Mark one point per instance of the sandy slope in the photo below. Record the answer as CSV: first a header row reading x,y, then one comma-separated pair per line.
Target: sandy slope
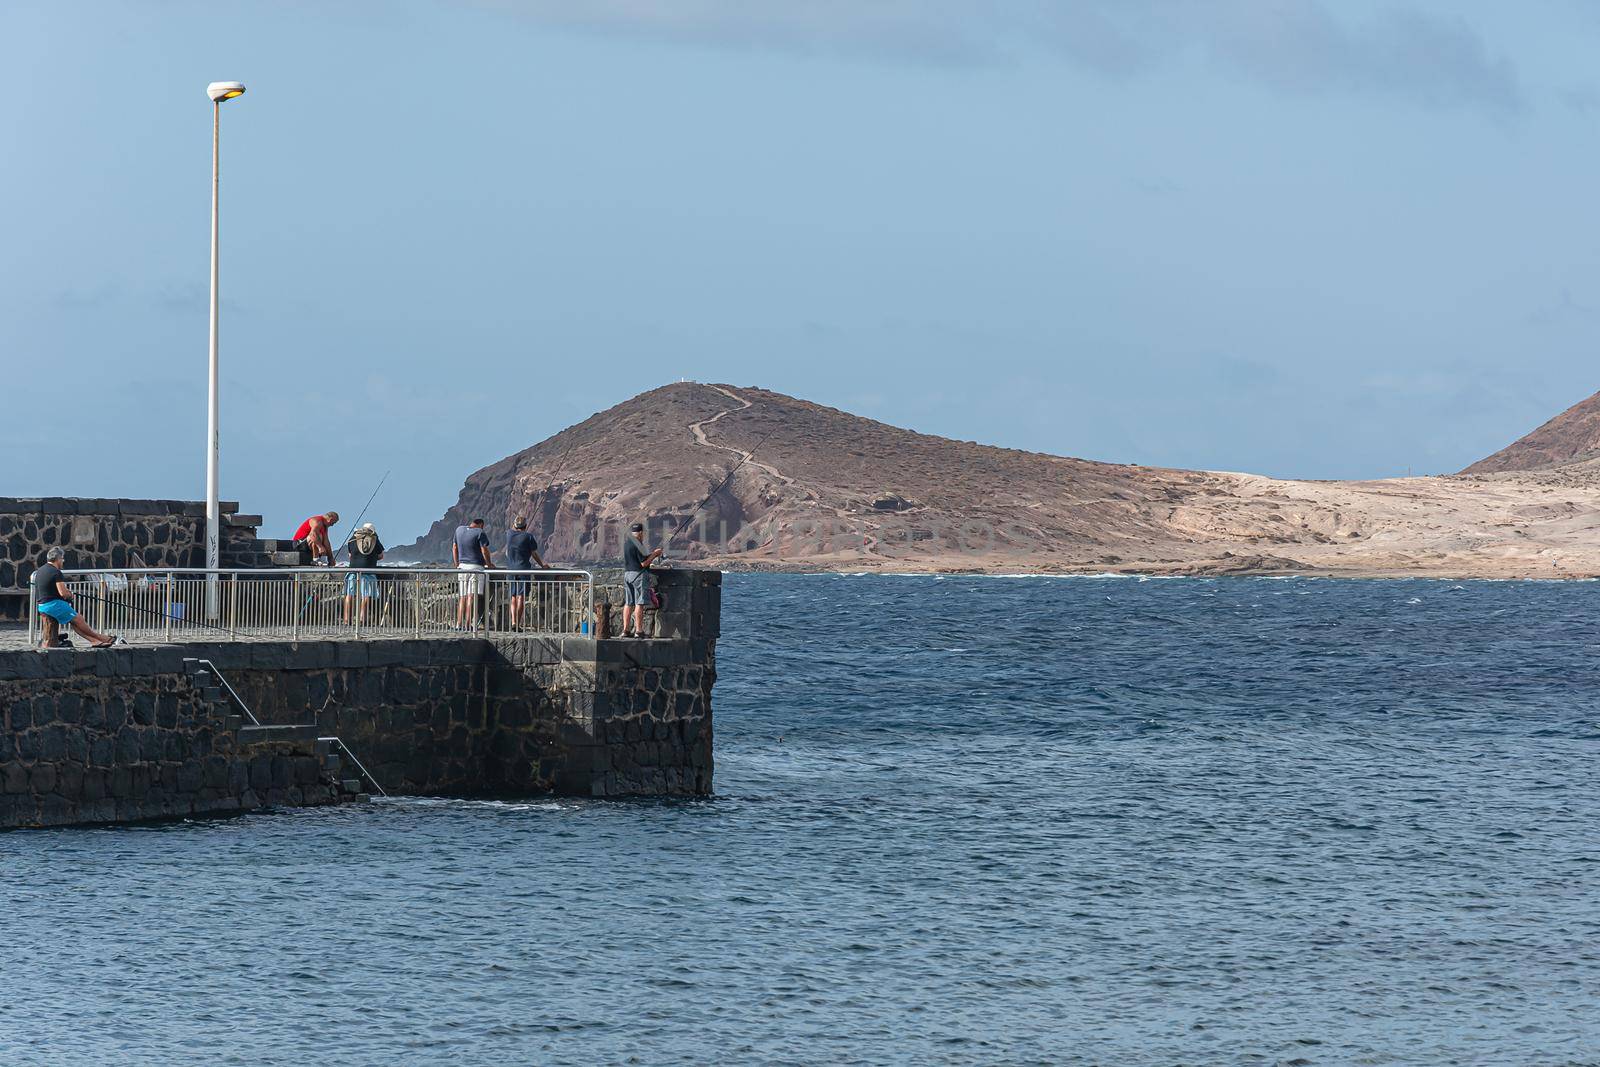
x,y
1433,527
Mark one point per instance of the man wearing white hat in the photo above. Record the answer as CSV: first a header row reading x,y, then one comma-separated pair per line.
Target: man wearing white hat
x,y
365,552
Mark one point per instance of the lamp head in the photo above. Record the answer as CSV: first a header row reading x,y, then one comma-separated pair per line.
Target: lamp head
x,y
220,91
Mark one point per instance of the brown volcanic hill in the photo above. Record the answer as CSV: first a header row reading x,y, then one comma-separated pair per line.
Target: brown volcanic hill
x,y
821,489
1572,435
863,486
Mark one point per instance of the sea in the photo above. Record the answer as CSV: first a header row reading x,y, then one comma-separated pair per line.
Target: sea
x,y
957,820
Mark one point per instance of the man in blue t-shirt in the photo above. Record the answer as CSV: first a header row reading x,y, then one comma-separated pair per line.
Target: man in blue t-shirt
x,y
521,552
471,553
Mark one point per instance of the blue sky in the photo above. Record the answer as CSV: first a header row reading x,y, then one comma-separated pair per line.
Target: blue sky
x,y
1297,237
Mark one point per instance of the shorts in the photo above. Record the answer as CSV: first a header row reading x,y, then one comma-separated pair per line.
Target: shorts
x,y
635,589
469,584
368,583
519,587
59,610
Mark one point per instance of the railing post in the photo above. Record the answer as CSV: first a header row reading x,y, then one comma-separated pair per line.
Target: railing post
x,y
168,612
358,603
294,606
416,601
33,615
233,608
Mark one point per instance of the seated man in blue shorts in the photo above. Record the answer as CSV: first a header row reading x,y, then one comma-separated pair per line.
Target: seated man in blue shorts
x,y
55,604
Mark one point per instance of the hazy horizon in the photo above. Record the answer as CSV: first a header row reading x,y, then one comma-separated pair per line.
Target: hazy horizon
x,y
1280,236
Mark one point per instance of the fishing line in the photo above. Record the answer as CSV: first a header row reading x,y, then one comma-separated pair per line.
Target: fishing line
x,y
152,611
749,454
363,514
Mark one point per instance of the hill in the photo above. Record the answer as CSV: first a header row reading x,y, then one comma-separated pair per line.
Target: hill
x,y
792,484
1573,435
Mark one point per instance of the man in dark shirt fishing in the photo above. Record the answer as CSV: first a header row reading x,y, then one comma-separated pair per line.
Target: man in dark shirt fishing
x,y
521,552
635,583
471,553
55,604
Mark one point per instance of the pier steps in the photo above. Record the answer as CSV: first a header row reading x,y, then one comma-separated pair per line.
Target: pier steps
x,y
304,743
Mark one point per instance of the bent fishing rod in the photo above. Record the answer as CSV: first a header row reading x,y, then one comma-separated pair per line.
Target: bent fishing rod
x,y
357,524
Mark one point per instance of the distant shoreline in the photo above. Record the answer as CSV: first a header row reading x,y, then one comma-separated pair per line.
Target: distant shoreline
x,y
1224,569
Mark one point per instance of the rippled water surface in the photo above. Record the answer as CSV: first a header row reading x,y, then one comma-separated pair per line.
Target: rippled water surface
x,y
957,821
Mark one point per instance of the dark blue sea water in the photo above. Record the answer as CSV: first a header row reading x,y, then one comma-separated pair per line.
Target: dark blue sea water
x,y
966,820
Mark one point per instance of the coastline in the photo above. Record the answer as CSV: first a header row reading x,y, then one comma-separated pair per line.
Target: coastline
x,y
1217,568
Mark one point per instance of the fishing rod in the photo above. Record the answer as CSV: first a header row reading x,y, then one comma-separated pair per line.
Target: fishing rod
x,y
151,611
720,487
561,462
364,507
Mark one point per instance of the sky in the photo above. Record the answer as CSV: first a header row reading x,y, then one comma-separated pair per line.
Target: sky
x,y
1303,238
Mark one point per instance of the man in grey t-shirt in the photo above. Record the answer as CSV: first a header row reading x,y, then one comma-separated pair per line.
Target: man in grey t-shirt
x,y
635,583
471,553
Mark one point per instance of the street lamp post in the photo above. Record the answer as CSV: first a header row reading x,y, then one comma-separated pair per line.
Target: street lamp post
x,y
218,92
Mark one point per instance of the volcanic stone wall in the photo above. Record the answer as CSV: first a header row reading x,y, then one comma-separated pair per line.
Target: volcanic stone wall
x,y
123,736
568,715
111,534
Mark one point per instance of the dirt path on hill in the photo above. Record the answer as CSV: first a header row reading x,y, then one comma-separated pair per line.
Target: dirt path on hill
x,y
699,431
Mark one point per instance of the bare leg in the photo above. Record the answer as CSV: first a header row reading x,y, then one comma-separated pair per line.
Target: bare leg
x,y
349,602
461,612
516,611
88,633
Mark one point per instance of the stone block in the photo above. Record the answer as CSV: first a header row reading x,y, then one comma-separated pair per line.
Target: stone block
x,y
14,778
386,653
580,649
167,710
353,654
56,811
26,666
191,776
272,656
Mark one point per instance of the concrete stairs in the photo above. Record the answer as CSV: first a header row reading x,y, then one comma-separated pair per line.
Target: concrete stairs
x,y
242,547
348,780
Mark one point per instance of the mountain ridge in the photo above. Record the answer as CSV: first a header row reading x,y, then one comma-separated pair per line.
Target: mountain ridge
x,y
791,484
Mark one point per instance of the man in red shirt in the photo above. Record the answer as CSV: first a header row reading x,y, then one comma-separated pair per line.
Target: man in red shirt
x,y
312,536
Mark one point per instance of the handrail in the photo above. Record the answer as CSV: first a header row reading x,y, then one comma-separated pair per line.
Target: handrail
x,y
237,699
340,569
359,766
341,603
257,722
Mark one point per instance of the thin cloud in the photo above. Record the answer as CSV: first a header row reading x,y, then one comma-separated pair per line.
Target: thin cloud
x,y
1293,47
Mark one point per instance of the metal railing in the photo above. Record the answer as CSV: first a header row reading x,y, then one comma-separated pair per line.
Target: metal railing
x,y
326,603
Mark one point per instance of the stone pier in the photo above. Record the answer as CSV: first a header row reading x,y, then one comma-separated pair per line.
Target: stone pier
x,y
147,732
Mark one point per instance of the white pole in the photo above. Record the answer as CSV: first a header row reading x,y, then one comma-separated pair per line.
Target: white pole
x,y
213,446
